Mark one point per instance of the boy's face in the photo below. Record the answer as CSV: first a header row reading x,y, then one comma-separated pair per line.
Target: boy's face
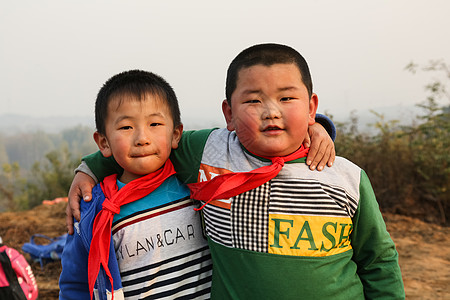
x,y
270,109
139,134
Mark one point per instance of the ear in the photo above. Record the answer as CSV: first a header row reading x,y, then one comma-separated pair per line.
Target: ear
x,y
177,132
313,104
102,143
227,113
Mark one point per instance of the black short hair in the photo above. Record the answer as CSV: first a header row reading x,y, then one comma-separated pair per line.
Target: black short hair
x,y
135,83
266,55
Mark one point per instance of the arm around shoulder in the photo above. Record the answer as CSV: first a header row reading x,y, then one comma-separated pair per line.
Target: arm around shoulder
x,y
101,166
327,124
187,157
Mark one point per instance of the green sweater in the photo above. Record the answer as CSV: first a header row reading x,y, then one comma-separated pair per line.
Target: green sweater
x,y
304,234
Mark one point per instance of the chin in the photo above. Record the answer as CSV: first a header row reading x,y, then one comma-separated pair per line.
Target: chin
x,y
270,152
280,152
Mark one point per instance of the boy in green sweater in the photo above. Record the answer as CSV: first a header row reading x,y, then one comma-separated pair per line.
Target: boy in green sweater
x,y
276,229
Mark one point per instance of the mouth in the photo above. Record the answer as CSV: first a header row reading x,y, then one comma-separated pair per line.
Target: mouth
x,y
140,155
271,128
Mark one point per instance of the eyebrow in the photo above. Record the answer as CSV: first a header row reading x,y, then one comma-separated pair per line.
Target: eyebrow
x,y
287,88
130,117
251,92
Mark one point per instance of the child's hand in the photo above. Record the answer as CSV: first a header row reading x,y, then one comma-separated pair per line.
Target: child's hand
x,y
321,146
81,187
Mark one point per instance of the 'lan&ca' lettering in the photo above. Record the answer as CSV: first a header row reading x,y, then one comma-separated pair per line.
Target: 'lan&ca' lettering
x,y
168,237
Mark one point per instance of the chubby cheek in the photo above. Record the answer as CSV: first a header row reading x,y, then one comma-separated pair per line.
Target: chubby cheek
x,y
299,125
248,134
247,121
245,135
121,146
164,144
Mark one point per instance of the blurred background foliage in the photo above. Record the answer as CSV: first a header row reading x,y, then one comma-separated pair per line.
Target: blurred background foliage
x,y
39,166
408,165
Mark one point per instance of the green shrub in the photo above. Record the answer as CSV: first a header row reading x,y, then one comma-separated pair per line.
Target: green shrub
x,y
409,166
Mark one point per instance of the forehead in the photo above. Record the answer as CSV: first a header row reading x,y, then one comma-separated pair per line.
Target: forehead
x,y
148,100
131,106
278,72
259,78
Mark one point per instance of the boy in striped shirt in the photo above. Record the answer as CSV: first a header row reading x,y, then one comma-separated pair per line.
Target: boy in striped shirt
x,y
139,237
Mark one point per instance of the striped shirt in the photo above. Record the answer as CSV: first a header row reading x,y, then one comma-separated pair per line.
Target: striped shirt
x,y
161,250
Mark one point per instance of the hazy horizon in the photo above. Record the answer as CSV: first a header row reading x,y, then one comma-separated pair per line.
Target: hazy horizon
x,y
55,55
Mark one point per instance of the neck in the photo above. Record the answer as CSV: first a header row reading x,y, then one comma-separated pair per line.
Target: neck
x,y
271,158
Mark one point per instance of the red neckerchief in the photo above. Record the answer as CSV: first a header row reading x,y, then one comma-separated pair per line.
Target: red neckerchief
x,y
228,185
114,199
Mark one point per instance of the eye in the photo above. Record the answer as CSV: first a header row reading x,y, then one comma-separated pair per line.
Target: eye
x,y
125,128
155,124
286,98
252,101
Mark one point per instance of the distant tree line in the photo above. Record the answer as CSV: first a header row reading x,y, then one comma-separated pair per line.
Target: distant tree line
x,y
39,166
408,165
27,148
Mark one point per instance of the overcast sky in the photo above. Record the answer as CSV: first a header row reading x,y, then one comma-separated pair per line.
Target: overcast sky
x,y
55,55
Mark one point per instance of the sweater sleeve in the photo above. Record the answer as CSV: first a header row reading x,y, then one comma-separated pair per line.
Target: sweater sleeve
x,y
374,250
73,282
188,156
101,166
327,124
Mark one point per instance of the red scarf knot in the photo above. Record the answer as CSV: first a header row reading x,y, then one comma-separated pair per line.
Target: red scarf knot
x,y
278,160
228,185
111,207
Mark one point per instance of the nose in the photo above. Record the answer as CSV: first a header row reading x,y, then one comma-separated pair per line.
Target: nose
x,y
271,111
142,138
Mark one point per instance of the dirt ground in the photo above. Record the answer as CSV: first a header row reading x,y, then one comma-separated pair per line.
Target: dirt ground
x,y
424,249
